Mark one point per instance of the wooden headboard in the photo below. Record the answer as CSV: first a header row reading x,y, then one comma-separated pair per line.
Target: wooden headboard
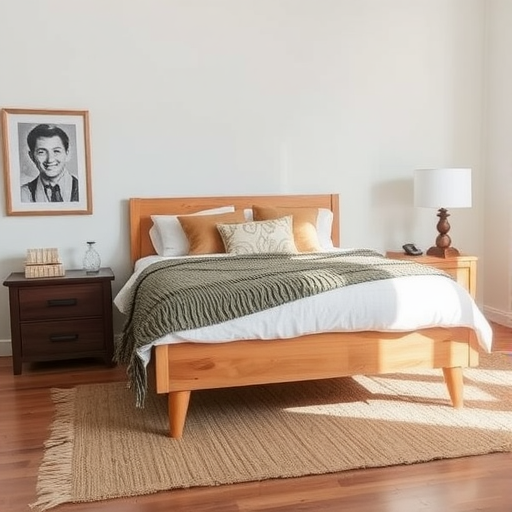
x,y
141,210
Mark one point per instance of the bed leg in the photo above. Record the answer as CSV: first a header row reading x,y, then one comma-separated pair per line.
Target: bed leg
x,y
455,384
178,406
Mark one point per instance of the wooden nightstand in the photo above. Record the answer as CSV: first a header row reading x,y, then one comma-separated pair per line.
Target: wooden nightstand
x,y
461,268
65,317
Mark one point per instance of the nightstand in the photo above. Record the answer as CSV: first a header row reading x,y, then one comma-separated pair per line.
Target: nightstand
x,y
65,317
461,268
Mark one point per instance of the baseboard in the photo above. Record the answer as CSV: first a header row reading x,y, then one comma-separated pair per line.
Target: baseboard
x,y
5,348
498,316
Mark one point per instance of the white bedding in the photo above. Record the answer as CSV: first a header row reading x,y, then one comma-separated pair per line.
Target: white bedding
x,y
388,305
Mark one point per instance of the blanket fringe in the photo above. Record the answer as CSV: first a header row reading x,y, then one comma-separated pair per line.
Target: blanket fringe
x,y
54,481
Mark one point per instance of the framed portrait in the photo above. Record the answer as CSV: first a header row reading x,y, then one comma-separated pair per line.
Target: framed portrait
x,y
46,158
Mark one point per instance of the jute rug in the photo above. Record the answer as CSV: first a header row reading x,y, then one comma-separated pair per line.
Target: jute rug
x,y
102,447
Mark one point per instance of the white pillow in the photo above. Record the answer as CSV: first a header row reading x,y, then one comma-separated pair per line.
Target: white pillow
x,y
167,235
248,214
324,227
263,236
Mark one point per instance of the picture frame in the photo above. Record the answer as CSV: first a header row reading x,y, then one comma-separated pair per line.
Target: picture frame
x,y
41,149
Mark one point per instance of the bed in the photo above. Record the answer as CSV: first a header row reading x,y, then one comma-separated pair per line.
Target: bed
x,y
181,368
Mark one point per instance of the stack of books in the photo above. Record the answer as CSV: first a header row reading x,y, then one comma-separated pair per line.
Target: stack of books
x,y
43,263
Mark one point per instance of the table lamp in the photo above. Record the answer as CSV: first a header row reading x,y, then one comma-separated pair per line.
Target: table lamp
x,y
442,189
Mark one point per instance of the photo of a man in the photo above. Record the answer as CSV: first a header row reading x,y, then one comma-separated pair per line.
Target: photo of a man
x,y
48,149
47,161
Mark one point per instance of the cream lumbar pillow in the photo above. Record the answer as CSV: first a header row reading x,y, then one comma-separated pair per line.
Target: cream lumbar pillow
x,y
266,236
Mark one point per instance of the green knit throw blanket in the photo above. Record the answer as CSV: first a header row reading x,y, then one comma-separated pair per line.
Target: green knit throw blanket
x,y
188,293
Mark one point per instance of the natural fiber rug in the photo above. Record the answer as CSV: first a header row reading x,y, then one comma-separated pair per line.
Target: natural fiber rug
x,y
102,447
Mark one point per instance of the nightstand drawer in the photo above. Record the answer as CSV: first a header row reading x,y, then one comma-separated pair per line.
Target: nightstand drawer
x,y
79,300
70,336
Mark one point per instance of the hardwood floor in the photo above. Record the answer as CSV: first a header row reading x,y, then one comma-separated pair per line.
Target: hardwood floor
x,y
480,483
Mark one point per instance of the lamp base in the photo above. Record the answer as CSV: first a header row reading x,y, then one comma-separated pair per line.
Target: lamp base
x,y
443,252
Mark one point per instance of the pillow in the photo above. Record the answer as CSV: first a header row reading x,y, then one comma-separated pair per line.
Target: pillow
x,y
202,234
324,228
259,236
167,235
304,224
248,214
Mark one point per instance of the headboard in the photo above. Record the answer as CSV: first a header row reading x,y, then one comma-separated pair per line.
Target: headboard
x,y
141,210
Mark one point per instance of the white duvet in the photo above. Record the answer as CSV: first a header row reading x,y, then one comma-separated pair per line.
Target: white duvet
x,y
388,305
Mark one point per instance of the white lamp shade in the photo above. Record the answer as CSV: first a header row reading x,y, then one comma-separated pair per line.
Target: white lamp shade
x,y
442,188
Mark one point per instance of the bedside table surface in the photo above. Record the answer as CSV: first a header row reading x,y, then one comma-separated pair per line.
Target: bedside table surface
x,y
19,279
432,260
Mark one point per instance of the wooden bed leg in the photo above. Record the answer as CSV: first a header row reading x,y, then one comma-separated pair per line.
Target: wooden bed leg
x,y
455,384
178,406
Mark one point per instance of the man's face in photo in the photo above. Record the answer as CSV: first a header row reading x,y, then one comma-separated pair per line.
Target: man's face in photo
x,y
50,156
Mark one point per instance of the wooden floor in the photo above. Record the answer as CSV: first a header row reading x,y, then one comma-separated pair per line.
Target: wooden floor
x,y
481,483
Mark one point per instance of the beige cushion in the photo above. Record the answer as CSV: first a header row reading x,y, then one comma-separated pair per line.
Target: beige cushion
x,y
267,236
304,224
202,234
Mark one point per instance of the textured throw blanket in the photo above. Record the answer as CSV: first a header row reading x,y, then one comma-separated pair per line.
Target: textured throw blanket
x,y
180,294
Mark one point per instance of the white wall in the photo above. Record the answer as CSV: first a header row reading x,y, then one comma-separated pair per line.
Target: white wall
x,y
212,97
498,165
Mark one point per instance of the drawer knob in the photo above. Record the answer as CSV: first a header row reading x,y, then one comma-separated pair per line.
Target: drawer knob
x,y
62,302
63,337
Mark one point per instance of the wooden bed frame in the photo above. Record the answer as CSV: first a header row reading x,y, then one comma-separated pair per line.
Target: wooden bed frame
x,y
182,368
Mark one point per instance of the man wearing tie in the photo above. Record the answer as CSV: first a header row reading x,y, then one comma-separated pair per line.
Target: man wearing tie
x,y
49,150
